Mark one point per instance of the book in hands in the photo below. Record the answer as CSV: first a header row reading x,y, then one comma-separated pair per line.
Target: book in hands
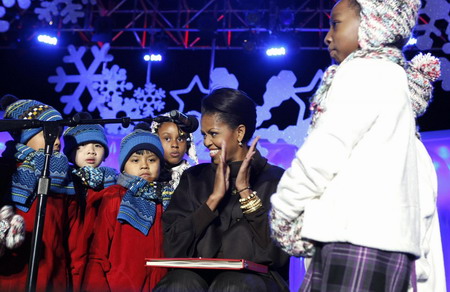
x,y
206,263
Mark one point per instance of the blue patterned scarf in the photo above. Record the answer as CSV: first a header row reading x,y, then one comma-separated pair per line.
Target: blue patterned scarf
x,y
96,178
138,206
25,178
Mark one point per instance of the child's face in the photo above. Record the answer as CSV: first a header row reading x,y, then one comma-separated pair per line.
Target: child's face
x,y
145,165
38,142
174,144
89,154
342,39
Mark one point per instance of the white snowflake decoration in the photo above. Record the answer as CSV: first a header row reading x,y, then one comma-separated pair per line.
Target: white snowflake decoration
x,y
150,99
113,80
128,106
70,11
86,77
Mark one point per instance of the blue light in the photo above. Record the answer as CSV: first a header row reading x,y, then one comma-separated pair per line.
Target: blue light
x,y
46,39
153,58
280,51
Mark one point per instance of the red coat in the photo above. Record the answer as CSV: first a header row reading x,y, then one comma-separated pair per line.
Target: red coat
x,y
118,251
53,267
81,234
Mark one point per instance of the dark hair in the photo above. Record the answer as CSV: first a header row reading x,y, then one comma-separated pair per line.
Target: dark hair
x,y
233,107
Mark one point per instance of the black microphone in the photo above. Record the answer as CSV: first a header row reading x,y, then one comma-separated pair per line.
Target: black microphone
x,y
188,123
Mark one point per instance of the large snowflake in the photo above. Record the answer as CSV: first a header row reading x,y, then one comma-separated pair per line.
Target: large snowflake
x,y
86,77
436,10
67,9
150,99
113,83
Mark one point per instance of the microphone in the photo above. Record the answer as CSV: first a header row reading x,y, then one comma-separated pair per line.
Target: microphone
x,y
188,123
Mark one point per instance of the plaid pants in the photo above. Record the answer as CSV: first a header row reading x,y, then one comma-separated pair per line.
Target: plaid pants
x,y
345,267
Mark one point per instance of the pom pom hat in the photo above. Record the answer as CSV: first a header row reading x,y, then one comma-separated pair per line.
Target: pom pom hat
x,y
140,139
27,109
385,22
82,134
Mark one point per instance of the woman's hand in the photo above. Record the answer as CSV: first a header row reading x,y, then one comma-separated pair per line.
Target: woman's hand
x,y
221,181
243,177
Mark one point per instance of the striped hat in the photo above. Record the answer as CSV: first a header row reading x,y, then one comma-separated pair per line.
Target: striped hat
x,y
386,22
82,134
140,139
27,109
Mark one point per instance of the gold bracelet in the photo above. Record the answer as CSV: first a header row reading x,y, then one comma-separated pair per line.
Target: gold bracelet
x,y
251,203
257,207
251,196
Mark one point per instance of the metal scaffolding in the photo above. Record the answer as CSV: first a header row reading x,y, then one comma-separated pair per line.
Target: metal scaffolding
x,y
186,24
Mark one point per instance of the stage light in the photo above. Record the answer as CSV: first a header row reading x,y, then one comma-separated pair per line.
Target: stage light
x,y
153,57
276,51
46,39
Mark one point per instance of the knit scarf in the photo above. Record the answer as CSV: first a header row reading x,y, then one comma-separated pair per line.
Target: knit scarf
x,y
138,206
96,178
318,104
25,178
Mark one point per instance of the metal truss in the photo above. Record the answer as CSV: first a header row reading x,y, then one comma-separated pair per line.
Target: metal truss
x,y
191,24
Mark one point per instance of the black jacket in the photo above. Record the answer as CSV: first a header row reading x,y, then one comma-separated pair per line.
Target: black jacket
x,y
191,229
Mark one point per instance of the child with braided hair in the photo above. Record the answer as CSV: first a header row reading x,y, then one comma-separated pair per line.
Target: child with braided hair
x,y
361,156
27,151
86,146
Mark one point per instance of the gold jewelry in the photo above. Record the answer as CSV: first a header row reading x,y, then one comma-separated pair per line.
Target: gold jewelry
x,y
251,196
253,209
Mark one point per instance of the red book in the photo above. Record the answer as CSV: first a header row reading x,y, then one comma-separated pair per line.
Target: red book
x,y
205,263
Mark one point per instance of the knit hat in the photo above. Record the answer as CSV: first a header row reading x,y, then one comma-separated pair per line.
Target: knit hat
x,y
82,134
385,22
140,139
27,109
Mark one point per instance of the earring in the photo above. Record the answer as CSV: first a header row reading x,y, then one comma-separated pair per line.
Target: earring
x,y
240,143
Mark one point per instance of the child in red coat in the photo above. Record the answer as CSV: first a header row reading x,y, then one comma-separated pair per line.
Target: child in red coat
x,y
27,151
86,146
128,227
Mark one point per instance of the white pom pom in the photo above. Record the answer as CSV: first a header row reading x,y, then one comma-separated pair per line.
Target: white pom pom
x,y
16,233
428,65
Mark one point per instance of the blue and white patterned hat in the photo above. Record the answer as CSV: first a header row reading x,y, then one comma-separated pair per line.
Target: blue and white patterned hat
x,y
28,109
82,134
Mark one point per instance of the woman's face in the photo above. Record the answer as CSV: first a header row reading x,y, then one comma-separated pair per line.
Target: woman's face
x,y
173,142
214,131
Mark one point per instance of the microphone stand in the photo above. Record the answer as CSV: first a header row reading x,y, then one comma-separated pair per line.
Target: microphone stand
x,y
51,132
